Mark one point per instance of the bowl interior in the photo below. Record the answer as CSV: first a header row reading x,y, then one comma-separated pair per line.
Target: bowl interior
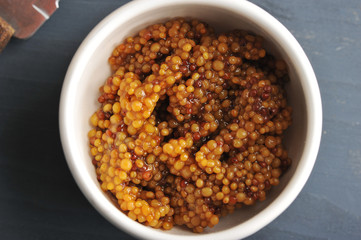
x,y
90,69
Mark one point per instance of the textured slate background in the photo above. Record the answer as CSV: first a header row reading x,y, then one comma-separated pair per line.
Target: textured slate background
x,y
40,200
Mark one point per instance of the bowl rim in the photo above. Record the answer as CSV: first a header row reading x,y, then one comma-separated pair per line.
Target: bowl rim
x,y
313,106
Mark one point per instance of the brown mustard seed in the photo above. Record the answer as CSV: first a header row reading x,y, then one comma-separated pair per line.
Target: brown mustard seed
x,y
190,124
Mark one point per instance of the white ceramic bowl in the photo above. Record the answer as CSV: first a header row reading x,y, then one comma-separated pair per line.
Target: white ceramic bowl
x,y
89,69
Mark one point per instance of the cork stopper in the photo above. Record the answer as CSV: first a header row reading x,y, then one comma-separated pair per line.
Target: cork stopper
x,y
6,31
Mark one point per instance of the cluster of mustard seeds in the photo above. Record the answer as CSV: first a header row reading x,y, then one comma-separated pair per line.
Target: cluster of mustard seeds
x,y
190,124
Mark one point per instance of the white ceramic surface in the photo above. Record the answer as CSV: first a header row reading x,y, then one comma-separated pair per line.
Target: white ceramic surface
x,y
89,69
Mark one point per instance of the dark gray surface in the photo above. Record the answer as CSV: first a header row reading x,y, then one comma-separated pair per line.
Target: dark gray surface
x,y
40,200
